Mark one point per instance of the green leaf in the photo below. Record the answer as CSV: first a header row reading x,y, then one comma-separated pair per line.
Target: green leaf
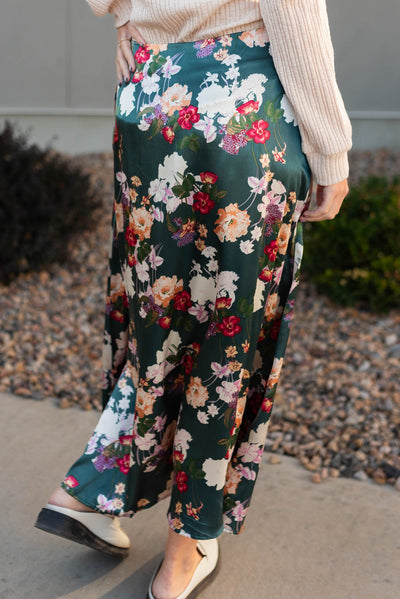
x,y
144,250
146,110
155,127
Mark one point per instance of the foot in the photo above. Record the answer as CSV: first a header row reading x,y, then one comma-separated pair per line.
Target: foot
x,y
180,561
61,498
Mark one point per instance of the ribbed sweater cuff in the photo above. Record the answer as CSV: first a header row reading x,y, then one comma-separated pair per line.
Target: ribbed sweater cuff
x,y
328,170
121,9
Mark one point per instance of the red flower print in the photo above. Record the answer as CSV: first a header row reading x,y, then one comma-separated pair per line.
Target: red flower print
x,y
115,134
181,478
137,76
125,300
247,107
71,482
266,405
229,326
208,177
131,260
142,54
223,302
188,363
164,322
168,134
259,132
196,346
265,275
182,301
117,315
202,202
275,329
271,250
125,439
130,236
187,116
123,463
178,456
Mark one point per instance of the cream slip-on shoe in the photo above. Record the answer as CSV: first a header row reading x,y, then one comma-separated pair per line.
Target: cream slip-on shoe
x,y
206,570
93,529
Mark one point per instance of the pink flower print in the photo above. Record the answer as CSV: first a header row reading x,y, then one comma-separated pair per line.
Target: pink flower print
x,y
71,482
239,512
123,463
187,116
259,132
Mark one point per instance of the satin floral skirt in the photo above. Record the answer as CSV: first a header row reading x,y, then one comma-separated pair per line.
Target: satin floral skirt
x,y
210,181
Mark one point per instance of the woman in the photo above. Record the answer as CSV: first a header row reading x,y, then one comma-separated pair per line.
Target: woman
x,y
225,113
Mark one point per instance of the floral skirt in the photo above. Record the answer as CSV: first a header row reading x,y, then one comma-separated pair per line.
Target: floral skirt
x,y
210,181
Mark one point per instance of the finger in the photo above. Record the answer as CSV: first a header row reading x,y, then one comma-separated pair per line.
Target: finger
x,y
328,205
120,77
136,35
123,65
126,50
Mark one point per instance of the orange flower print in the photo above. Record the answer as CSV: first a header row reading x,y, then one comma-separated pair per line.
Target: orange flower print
x,y
144,402
275,373
175,98
165,289
283,238
272,309
232,480
196,393
232,223
117,287
231,351
119,217
141,220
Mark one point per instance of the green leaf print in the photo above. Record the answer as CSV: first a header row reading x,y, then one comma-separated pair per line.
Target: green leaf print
x,y
146,110
245,307
144,425
191,142
155,127
155,64
194,471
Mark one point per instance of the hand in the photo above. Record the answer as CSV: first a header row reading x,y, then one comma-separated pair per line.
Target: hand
x,y
125,61
329,200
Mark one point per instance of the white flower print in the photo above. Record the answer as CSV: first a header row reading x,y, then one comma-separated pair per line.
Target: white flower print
x,y
169,347
219,370
173,163
215,472
104,504
246,247
228,391
156,373
127,99
182,440
202,417
128,280
207,126
199,312
143,125
257,185
154,259
150,84
259,295
232,73
145,443
202,289
250,452
212,410
226,283
119,488
288,113
256,233
169,68
142,271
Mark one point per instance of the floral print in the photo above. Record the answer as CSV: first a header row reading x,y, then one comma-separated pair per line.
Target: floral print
x,y
210,181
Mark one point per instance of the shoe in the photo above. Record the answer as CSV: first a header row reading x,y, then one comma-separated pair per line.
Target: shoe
x,y
205,572
95,530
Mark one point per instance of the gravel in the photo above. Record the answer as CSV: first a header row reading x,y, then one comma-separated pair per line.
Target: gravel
x,y
338,404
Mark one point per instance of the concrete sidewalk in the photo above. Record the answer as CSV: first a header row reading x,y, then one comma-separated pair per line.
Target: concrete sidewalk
x,y
336,540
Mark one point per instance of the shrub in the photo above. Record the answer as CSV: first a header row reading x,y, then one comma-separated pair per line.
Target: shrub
x,y
44,201
355,258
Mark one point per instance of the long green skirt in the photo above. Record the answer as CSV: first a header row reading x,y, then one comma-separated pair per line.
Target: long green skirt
x,y
210,181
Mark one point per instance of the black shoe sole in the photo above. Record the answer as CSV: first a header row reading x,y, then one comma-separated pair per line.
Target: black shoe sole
x,y
69,528
204,583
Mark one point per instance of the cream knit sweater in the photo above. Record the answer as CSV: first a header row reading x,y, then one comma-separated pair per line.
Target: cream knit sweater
x,y
301,48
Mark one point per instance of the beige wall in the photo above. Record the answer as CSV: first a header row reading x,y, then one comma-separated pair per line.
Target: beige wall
x,y
57,70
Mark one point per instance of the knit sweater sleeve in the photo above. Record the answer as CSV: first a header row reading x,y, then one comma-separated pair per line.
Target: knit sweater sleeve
x,y
121,9
301,47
